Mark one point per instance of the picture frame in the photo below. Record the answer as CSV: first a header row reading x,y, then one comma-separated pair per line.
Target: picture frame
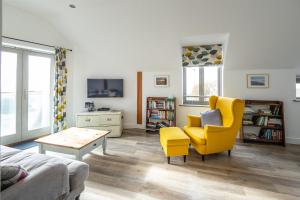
x,y
161,81
257,80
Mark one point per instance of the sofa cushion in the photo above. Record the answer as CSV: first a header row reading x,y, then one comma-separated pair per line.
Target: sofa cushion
x,y
78,171
196,134
211,117
11,174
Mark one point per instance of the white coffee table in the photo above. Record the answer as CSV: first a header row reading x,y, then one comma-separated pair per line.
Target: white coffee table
x,y
76,141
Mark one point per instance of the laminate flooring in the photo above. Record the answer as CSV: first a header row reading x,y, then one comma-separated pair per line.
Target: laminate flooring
x,y
135,168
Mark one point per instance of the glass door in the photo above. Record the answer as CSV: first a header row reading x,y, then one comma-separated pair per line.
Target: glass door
x,y
11,76
26,94
37,90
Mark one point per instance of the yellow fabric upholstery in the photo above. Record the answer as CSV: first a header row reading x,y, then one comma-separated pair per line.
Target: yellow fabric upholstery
x,y
174,141
214,139
196,134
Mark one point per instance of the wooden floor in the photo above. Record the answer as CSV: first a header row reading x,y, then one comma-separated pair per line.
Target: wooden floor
x,y
135,168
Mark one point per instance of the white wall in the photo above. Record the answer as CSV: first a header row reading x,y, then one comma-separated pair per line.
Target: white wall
x,y
282,84
118,38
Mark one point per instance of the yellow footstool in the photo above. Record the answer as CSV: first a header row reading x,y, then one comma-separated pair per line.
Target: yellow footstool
x,y
174,142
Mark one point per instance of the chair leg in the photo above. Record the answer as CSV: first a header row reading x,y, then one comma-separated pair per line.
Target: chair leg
x,y
184,158
168,159
229,153
203,158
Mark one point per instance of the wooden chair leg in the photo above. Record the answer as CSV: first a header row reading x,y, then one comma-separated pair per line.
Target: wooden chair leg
x,y
229,153
168,159
184,158
203,158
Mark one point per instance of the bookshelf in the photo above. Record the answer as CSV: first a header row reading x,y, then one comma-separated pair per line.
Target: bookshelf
x,y
263,122
160,112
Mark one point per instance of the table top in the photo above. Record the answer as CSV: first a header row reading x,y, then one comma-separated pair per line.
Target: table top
x,y
75,138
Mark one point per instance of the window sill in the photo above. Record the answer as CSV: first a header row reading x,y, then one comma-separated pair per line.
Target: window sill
x,y
191,105
296,100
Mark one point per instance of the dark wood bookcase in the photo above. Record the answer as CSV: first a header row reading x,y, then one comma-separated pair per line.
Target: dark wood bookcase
x,y
160,112
263,122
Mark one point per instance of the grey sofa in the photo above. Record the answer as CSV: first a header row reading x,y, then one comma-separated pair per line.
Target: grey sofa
x,y
50,178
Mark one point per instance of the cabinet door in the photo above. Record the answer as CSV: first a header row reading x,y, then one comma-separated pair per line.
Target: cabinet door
x,y
88,120
110,119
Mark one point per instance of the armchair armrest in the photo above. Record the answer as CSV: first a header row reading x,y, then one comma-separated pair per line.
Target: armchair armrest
x,y
50,181
194,121
215,134
213,128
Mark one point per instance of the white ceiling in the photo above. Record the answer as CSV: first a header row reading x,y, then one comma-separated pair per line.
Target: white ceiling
x,y
263,33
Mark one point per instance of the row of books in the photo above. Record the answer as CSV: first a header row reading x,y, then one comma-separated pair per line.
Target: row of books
x,y
267,121
157,104
156,114
170,104
157,125
274,135
161,104
276,110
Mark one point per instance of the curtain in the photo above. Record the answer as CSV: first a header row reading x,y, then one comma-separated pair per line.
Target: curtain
x,y
202,55
60,86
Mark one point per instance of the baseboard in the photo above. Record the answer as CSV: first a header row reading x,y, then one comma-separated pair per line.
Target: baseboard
x,y
292,140
128,126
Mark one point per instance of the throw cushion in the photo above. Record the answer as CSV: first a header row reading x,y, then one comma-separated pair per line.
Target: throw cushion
x,y
211,117
11,174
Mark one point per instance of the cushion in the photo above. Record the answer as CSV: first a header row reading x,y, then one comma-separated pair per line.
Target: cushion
x,y
211,117
196,134
11,174
173,136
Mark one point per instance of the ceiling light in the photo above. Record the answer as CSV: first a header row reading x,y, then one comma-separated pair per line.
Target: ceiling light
x,y
72,6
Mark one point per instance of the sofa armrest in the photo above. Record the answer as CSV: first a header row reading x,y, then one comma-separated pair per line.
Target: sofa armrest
x,y
194,121
50,181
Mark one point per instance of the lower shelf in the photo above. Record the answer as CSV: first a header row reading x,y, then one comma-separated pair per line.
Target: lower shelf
x,y
261,140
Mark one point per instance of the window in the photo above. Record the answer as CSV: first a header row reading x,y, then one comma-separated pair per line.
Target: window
x,y
199,83
298,87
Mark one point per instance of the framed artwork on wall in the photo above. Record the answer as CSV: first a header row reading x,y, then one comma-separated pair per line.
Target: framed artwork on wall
x,y
161,81
257,80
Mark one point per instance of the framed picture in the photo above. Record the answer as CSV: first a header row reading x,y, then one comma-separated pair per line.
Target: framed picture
x,y
161,81
257,80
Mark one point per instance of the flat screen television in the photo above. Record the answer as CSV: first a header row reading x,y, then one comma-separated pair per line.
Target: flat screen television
x,y
100,88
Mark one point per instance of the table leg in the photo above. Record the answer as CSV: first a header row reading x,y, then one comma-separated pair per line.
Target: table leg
x,y
41,149
104,143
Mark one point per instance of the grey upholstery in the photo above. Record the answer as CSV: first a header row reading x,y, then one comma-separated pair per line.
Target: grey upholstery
x,y
49,177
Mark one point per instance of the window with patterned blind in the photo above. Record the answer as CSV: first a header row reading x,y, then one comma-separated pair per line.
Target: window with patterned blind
x,y
202,73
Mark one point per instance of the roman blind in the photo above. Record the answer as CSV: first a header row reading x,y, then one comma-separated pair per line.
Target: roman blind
x,y
202,55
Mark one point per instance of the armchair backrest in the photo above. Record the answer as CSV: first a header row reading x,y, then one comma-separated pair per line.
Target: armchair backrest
x,y
231,110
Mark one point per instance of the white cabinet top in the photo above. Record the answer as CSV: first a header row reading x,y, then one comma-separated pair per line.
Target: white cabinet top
x,y
111,112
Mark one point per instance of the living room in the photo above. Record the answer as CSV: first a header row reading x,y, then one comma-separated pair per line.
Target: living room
x,y
158,50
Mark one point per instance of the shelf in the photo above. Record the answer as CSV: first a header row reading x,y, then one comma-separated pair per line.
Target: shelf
x,y
267,127
262,140
261,114
159,109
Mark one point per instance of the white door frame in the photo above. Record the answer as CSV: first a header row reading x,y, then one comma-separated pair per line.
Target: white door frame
x,y
22,132
26,134
18,135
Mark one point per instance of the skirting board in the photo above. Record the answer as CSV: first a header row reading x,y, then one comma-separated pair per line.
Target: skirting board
x,y
289,140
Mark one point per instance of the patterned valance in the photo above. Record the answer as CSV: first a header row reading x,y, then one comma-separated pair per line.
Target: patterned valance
x,y
202,55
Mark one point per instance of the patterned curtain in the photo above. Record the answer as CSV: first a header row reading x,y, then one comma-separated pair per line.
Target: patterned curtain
x,y
201,56
60,87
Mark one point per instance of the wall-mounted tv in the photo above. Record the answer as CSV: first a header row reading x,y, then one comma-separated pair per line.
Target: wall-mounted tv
x,y
100,88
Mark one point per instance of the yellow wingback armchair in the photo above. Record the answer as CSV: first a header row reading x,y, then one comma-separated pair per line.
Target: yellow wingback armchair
x,y
214,139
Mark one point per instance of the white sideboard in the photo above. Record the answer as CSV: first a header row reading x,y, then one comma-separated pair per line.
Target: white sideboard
x,y
102,120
